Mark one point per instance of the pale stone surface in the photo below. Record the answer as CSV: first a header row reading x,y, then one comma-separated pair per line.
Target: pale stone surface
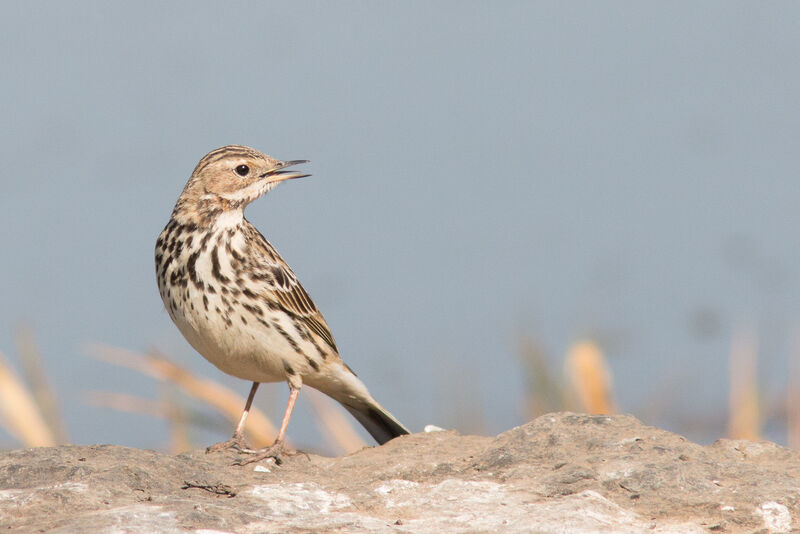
x,y
559,473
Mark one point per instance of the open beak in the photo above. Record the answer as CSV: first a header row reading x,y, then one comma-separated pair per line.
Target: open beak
x,y
277,174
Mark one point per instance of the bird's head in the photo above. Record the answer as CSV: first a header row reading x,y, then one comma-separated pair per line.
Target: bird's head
x,y
229,178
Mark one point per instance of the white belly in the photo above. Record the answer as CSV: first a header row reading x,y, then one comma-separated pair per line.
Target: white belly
x,y
248,353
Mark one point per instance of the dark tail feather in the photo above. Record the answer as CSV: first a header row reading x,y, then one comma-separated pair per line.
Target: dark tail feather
x,y
340,383
380,424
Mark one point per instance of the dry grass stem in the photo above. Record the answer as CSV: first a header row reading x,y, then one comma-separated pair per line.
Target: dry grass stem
x,y
18,410
543,393
178,422
43,393
123,402
744,421
589,377
793,394
259,427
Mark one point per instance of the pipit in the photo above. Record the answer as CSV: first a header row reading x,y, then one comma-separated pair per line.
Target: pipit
x,y
240,305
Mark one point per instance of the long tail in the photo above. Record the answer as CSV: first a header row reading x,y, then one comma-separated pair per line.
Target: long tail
x,y
380,424
351,393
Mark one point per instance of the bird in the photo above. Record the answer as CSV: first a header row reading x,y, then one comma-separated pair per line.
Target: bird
x,y
240,305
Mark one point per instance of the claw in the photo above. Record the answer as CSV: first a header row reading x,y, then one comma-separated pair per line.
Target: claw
x,y
276,452
236,442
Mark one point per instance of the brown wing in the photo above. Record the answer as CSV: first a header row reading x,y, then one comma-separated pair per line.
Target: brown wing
x,y
294,300
285,289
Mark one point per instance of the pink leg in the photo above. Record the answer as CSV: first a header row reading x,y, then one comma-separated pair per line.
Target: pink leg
x,y
293,393
237,441
277,448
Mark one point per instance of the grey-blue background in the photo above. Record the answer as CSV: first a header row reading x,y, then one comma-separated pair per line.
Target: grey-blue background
x,y
481,171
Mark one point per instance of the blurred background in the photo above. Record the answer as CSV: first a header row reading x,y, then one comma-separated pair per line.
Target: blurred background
x,y
515,207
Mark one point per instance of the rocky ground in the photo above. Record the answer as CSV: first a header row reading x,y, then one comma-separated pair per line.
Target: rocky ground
x,y
559,473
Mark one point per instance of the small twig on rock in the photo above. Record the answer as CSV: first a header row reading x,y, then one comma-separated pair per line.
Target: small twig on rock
x,y
219,488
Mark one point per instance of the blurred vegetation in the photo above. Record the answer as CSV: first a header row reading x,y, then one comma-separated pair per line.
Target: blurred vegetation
x,y
29,407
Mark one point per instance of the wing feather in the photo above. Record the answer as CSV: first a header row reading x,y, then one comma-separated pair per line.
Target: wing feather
x,y
285,290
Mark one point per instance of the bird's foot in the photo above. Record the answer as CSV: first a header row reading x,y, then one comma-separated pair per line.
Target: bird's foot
x,y
276,452
236,442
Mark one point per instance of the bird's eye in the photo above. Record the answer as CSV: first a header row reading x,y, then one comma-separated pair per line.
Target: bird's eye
x,y
242,170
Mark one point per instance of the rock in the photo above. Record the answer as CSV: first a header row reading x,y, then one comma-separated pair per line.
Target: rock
x,y
559,473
